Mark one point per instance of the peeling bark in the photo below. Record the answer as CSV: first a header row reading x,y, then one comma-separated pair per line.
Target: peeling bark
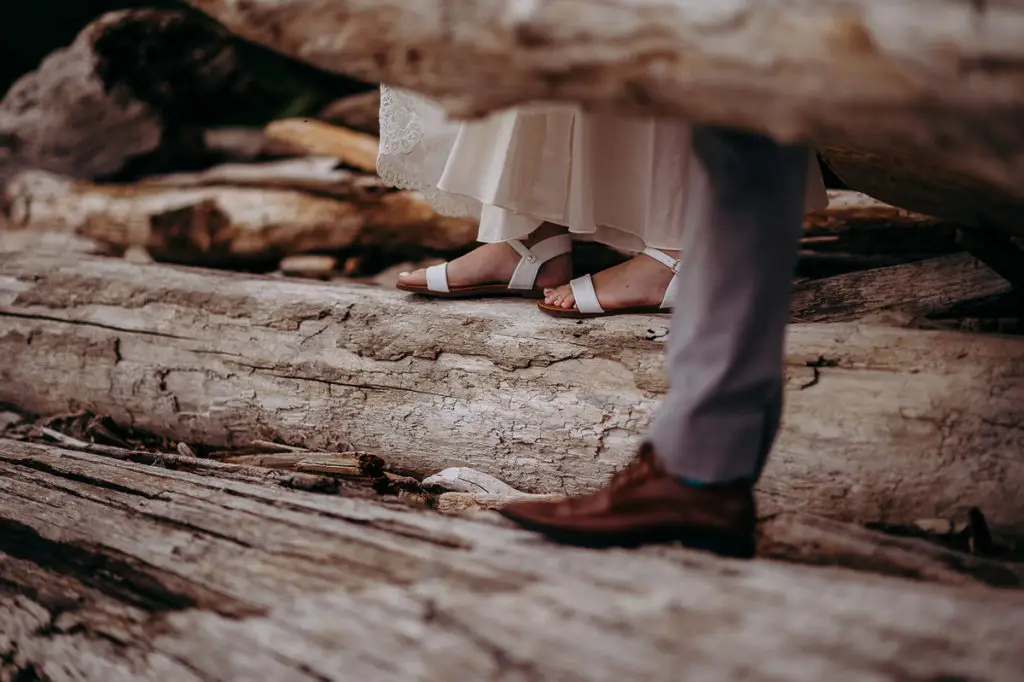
x,y
119,571
882,424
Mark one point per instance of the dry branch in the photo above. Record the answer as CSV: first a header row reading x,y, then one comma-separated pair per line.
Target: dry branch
x,y
224,578
882,424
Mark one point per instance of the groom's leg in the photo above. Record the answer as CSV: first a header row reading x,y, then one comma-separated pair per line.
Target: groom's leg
x,y
725,349
692,482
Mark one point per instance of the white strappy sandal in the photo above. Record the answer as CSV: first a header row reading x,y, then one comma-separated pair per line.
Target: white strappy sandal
x,y
523,279
588,306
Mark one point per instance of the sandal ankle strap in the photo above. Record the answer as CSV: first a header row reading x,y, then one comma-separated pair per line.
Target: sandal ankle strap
x,y
532,258
672,264
663,258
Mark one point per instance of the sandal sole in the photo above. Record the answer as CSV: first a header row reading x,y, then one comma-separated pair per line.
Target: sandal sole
x,y
490,291
574,314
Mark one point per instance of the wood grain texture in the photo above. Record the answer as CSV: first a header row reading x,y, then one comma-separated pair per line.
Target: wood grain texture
x,y
119,571
917,288
882,424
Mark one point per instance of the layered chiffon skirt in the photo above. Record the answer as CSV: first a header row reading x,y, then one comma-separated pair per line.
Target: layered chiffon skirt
x,y
627,182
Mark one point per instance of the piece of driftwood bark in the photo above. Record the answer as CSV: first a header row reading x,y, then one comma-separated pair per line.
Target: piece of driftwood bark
x,y
882,424
465,480
220,223
318,138
914,288
936,81
132,87
119,571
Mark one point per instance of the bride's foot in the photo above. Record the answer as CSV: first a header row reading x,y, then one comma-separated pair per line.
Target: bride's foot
x,y
639,282
495,263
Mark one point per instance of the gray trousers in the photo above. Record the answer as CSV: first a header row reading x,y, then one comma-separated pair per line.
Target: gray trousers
x,y
726,346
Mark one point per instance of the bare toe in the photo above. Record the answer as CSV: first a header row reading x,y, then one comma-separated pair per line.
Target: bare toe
x,y
414,278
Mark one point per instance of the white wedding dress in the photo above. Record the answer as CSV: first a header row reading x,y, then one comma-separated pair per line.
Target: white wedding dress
x,y
627,182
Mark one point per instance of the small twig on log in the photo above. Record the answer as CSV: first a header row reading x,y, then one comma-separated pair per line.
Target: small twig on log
x,y
277,447
346,464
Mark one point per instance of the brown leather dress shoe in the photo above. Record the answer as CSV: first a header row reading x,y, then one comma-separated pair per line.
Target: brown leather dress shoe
x,y
644,504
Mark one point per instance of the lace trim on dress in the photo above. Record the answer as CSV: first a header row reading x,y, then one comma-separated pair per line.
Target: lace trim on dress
x,y
416,139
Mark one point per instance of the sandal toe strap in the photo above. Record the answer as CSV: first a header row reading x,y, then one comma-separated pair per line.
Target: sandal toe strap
x,y
586,297
437,278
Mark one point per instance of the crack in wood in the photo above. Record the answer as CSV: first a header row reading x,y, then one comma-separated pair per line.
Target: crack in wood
x,y
97,325
118,577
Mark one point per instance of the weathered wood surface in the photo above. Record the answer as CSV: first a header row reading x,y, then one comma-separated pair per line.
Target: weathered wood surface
x,y
912,288
920,185
234,213
858,223
941,81
119,571
882,423
134,84
317,138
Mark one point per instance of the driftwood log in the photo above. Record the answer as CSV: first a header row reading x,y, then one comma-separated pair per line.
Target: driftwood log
x,y
937,81
882,424
914,288
857,223
120,571
235,213
136,88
